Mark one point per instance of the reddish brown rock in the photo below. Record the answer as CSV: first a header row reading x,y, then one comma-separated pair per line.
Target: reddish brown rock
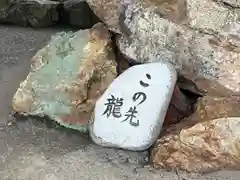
x,y
207,140
179,107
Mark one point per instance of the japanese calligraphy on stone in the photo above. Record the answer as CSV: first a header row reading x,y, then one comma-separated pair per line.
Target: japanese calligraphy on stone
x,y
114,104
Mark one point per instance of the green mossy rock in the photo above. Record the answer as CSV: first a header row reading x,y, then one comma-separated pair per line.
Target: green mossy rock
x,y
67,77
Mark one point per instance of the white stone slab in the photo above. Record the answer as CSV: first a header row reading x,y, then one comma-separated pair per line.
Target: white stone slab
x,y
156,81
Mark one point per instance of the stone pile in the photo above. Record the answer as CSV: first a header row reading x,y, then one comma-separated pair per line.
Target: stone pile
x,y
188,60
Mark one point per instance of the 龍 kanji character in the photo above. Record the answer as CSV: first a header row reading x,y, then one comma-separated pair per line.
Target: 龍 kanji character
x,y
113,107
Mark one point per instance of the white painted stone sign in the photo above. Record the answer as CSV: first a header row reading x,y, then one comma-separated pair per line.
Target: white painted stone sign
x,y
131,111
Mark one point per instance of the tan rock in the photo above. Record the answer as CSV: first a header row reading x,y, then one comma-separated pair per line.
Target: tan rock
x,y
201,38
206,141
189,50
68,76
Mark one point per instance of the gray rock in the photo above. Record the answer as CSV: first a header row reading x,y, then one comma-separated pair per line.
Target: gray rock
x,y
34,13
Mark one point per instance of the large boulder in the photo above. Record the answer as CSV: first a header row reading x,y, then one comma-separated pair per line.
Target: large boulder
x,y
34,13
67,77
198,37
208,140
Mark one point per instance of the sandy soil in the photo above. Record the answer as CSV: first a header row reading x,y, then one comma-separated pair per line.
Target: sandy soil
x,y
32,149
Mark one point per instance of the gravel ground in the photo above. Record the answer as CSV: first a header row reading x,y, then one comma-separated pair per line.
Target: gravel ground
x,y
33,149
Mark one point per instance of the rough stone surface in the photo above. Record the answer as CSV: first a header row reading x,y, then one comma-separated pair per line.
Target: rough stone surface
x,y
67,77
208,15
78,13
120,116
34,13
201,37
205,141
